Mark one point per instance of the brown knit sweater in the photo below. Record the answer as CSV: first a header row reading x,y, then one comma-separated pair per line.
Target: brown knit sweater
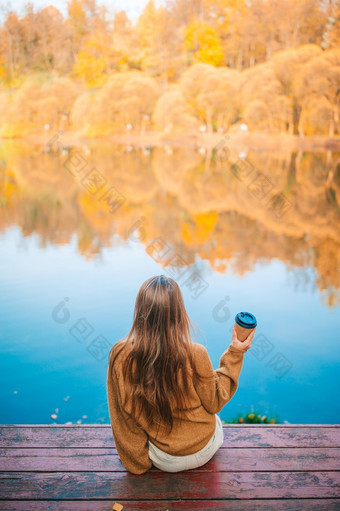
x,y
192,430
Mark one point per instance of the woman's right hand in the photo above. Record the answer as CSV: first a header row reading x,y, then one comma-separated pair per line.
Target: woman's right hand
x,y
242,345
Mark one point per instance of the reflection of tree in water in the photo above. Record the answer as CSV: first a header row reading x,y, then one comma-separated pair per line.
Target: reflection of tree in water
x,y
195,204
302,279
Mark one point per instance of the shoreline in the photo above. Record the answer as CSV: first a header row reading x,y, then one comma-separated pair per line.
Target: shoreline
x,y
196,140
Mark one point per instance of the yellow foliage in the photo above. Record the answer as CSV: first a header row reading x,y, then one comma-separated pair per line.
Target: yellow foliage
x,y
206,221
8,186
94,210
2,70
204,42
200,227
91,64
86,244
76,13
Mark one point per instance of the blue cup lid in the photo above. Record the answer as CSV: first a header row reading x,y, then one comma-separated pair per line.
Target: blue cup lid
x,y
246,319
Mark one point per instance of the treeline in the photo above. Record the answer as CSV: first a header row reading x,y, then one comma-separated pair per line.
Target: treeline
x,y
191,66
91,43
296,92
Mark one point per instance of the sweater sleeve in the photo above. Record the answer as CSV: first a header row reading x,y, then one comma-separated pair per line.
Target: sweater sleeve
x,y
130,439
218,386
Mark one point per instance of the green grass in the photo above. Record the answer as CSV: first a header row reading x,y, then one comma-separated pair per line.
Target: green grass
x,y
254,417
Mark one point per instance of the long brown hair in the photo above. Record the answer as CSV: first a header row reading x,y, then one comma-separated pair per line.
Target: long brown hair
x,y
161,349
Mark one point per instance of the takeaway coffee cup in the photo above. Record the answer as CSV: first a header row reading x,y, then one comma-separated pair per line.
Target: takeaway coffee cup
x,y
245,322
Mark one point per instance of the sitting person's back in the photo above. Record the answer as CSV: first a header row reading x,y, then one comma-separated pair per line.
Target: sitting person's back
x,y
163,393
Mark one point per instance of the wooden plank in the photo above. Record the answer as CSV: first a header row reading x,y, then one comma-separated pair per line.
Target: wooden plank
x,y
175,505
162,485
224,425
240,436
235,459
281,437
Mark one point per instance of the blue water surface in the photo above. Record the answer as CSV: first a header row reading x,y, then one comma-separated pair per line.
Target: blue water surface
x,y
51,363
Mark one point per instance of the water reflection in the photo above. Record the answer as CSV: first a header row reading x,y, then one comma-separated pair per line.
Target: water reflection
x,y
231,211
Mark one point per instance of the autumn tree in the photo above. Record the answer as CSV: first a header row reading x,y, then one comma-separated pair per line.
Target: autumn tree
x,y
86,18
191,83
39,41
231,20
125,102
172,113
292,59
140,96
98,112
38,105
218,100
252,32
47,40
317,86
158,46
184,12
264,106
12,43
203,44
334,29
123,42
91,63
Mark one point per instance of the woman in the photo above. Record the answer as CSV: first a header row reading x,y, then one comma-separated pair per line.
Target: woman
x,y
163,393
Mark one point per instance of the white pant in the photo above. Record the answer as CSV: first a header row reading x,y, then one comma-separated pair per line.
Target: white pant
x,y
170,463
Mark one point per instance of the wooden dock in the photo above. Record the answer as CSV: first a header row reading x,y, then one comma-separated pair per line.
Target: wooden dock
x,y
266,467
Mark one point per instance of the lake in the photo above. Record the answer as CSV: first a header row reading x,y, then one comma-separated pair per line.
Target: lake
x,y
240,229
